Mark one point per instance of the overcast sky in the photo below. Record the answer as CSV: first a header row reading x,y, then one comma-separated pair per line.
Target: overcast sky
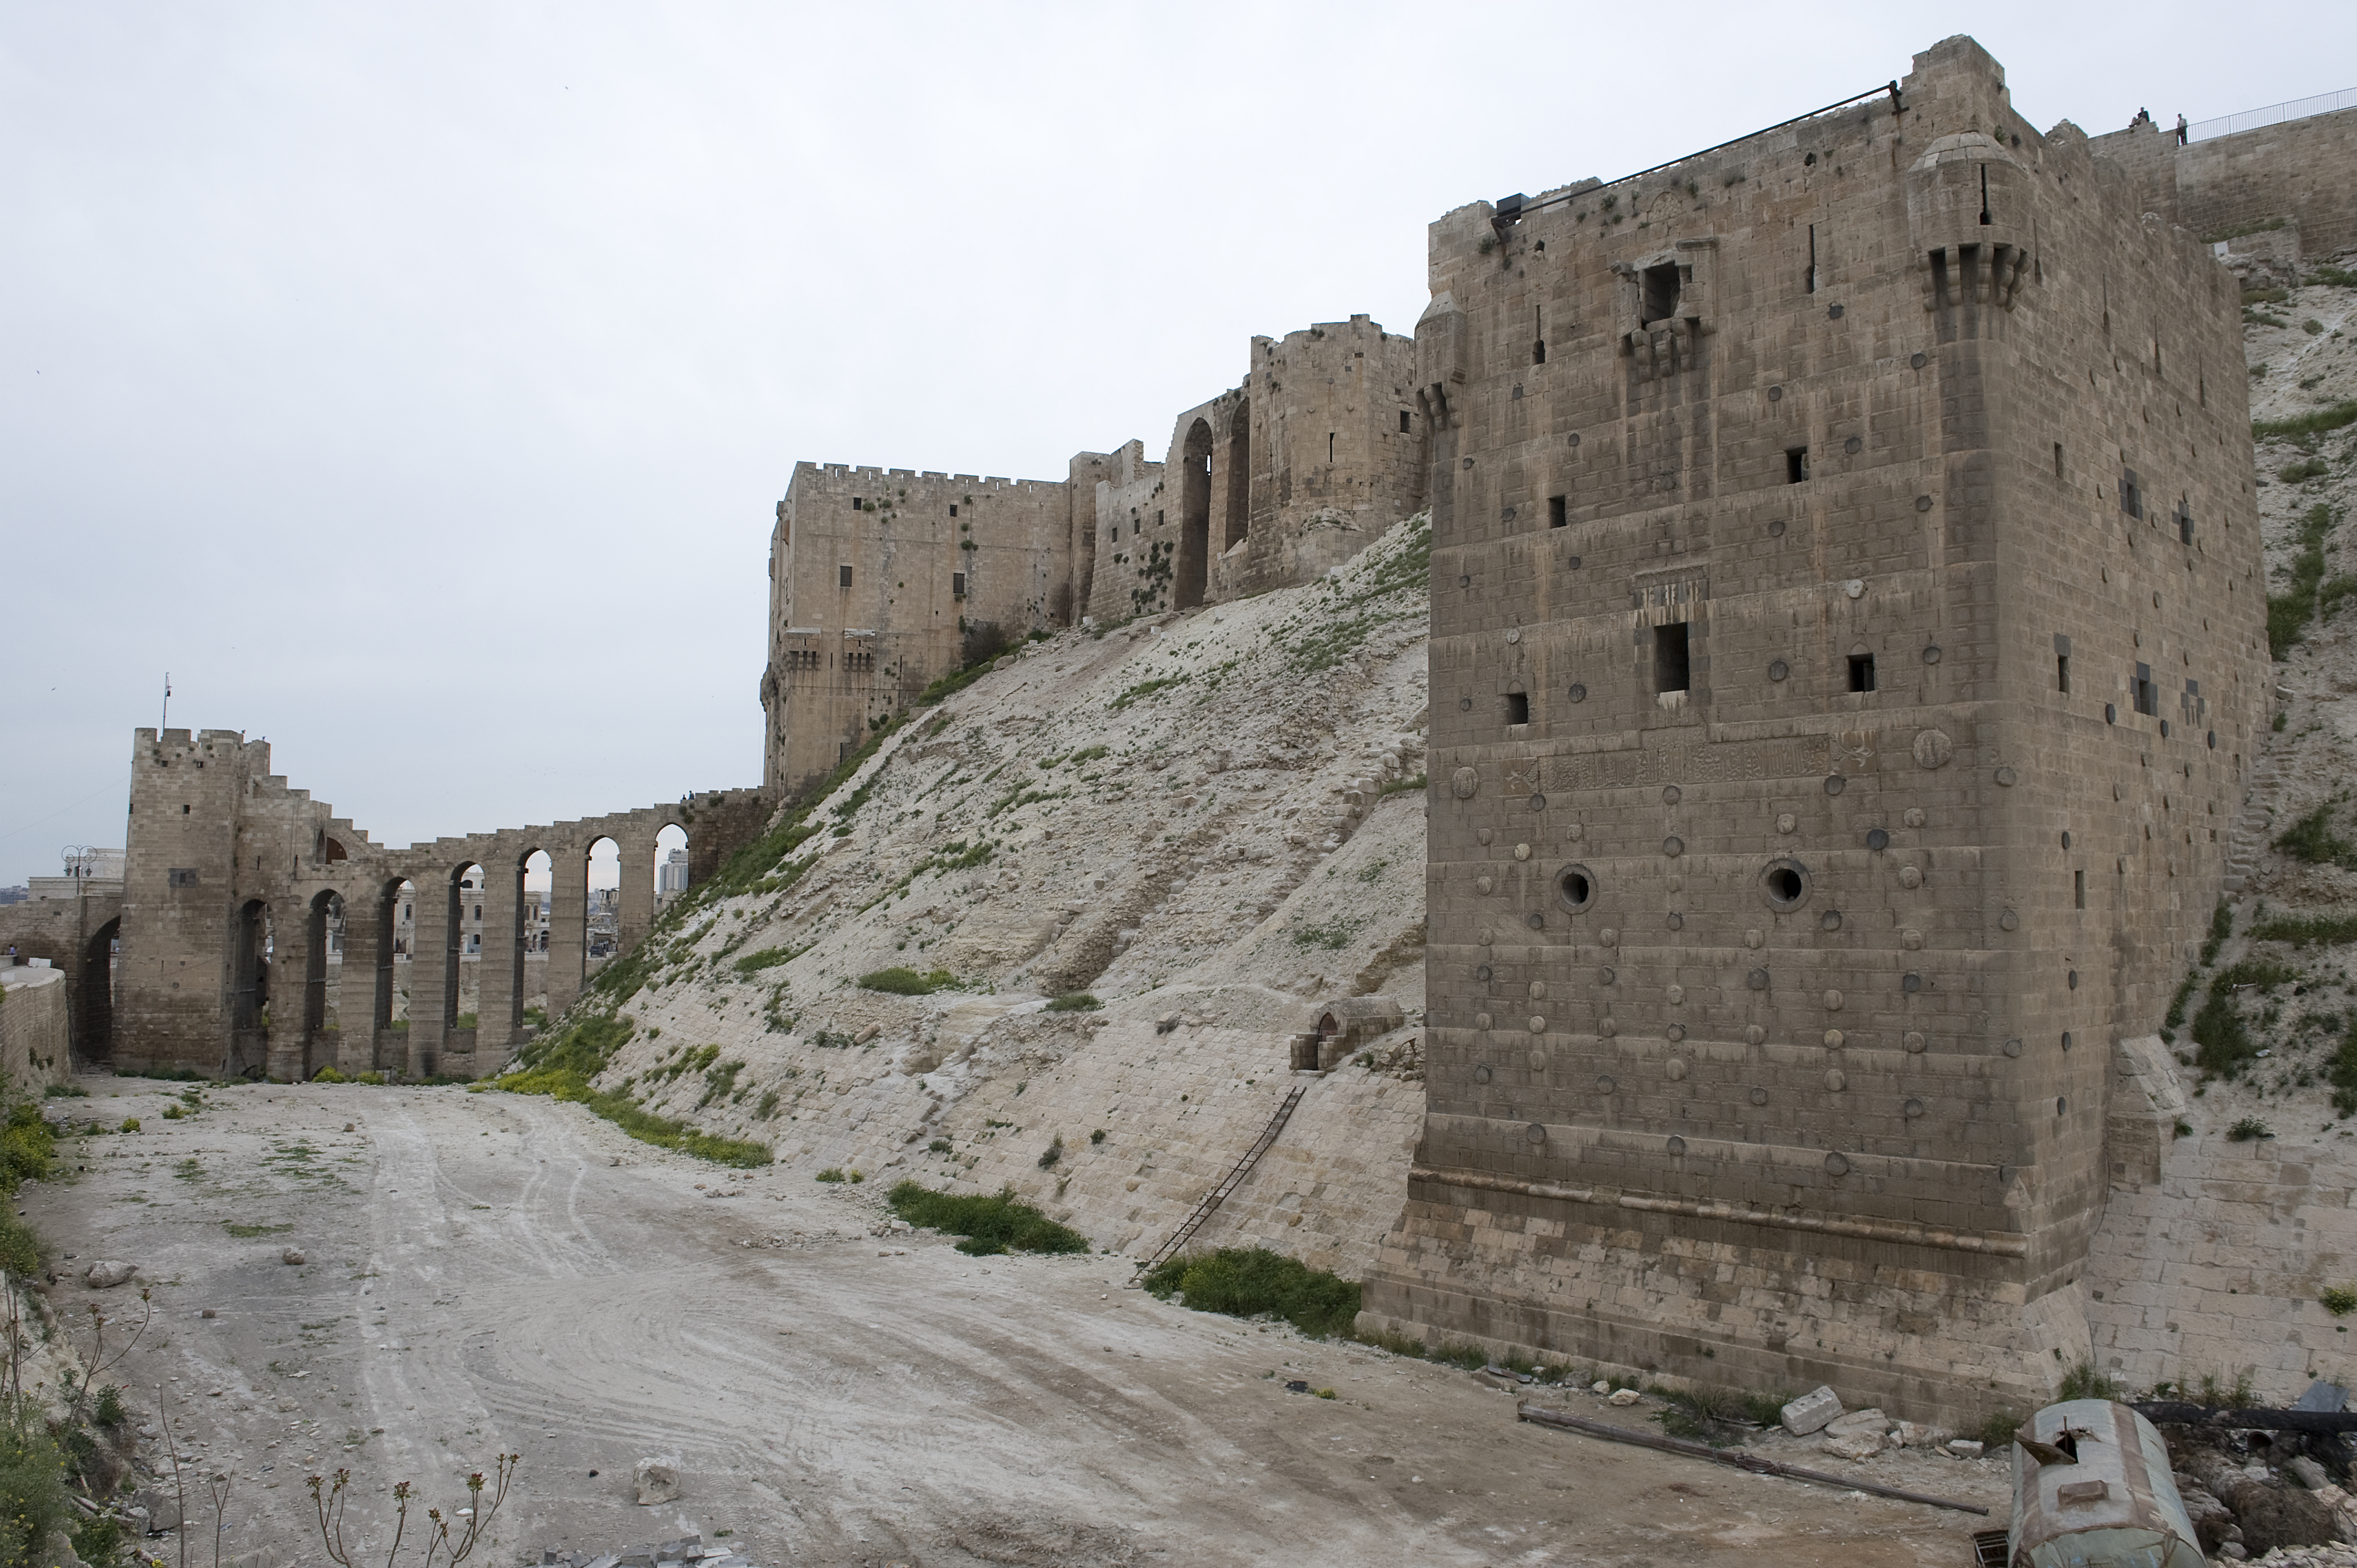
x,y
415,382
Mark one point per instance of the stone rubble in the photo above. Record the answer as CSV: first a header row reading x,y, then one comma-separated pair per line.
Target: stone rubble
x,y
686,1551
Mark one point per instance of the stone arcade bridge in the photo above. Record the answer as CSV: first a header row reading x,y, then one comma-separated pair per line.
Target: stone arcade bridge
x,y
232,882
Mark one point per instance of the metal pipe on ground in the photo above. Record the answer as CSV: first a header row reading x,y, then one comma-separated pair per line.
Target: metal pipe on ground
x,y
1734,1459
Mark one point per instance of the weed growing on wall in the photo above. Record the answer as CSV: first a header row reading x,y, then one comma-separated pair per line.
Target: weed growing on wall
x,y
1000,1223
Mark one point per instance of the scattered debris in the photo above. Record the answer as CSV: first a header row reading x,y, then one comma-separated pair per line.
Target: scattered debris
x,y
657,1480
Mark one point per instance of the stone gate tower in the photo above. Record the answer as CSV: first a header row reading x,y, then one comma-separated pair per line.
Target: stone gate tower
x,y
1847,640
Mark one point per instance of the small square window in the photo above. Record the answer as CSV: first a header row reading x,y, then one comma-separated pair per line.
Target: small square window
x,y
2131,493
2062,673
1796,464
1555,518
953,508
1404,422
1861,672
1659,288
843,576
1518,708
957,584
854,504
1672,662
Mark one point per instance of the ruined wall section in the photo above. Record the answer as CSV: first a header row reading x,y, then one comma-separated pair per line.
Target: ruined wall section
x,y
2303,170
940,569
35,1029
1133,543
1757,964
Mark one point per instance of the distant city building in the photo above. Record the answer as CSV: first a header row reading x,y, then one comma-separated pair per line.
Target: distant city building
x,y
15,895
671,877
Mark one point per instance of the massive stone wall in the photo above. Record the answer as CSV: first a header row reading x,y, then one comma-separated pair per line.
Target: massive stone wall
x,y
76,935
1847,644
2302,170
231,878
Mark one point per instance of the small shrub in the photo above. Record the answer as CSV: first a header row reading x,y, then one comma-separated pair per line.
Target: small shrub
x,y
2221,925
1718,1416
20,1250
33,1501
899,981
174,1113
65,1091
109,1412
1253,1281
375,1077
2339,1300
325,1075
2312,326
768,1107
938,1146
1054,1152
2183,1128
768,958
2249,1130
2312,840
1001,1223
832,1173
1098,1136
2084,1381
1075,1002
1995,1433
130,1124
2301,472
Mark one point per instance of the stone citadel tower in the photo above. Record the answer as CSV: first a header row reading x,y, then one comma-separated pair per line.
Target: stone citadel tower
x,y
883,580
1847,640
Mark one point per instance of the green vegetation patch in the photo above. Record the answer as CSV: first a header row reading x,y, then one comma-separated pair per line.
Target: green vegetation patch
x,y
2288,613
1075,1002
2303,930
2223,1043
768,958
2321,422
902,981
562,1064
1253,1281
1144,688
2312,840
1000,1223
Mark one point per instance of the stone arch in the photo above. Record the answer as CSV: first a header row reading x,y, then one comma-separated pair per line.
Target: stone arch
x,y
673,846
322,918
1191,568
93,1032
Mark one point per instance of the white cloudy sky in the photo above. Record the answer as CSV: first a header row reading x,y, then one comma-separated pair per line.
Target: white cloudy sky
x,y
415,382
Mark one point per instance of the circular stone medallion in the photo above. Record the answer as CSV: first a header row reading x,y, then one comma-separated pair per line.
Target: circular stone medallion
x,y
1758,1097
1910,877
1934,748
1675,1069
1836,1081
1914,1040
1464,782
1837,1165
1535,1132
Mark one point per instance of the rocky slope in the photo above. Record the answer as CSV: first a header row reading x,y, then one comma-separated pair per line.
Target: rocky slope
x,y
1211,823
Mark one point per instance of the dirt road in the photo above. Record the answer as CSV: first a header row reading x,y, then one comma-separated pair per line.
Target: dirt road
x,y
489,1272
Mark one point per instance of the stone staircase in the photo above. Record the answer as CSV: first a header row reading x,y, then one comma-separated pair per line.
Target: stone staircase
x,y
2248,835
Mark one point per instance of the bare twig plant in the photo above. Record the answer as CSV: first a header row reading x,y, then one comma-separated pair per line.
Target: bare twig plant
x,y
98,1362
330,1495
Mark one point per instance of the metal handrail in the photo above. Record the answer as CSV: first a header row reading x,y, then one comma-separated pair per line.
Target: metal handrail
x,y
2273,114
1227,1185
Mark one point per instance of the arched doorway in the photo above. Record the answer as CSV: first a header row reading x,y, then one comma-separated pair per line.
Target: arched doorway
x,y
602,932
249,993
536,922
1193,564
93,1035
1238,523
671,864
323,924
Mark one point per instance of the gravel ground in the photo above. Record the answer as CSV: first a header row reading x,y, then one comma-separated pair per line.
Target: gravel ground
x,y
488,1273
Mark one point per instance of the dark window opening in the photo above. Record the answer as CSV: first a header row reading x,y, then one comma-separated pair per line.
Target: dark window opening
x,y
1783,884
1538,335
478,911
2184,521
1574,889
2062,673
1518,708
2131,493
2058,459
1812,258
957,584
1861,672
1985,208
1329,448
1404,422
953,508
2079,889
1673,664
854,504
843,576
2148,693
1555,518
1796,464
1659,287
